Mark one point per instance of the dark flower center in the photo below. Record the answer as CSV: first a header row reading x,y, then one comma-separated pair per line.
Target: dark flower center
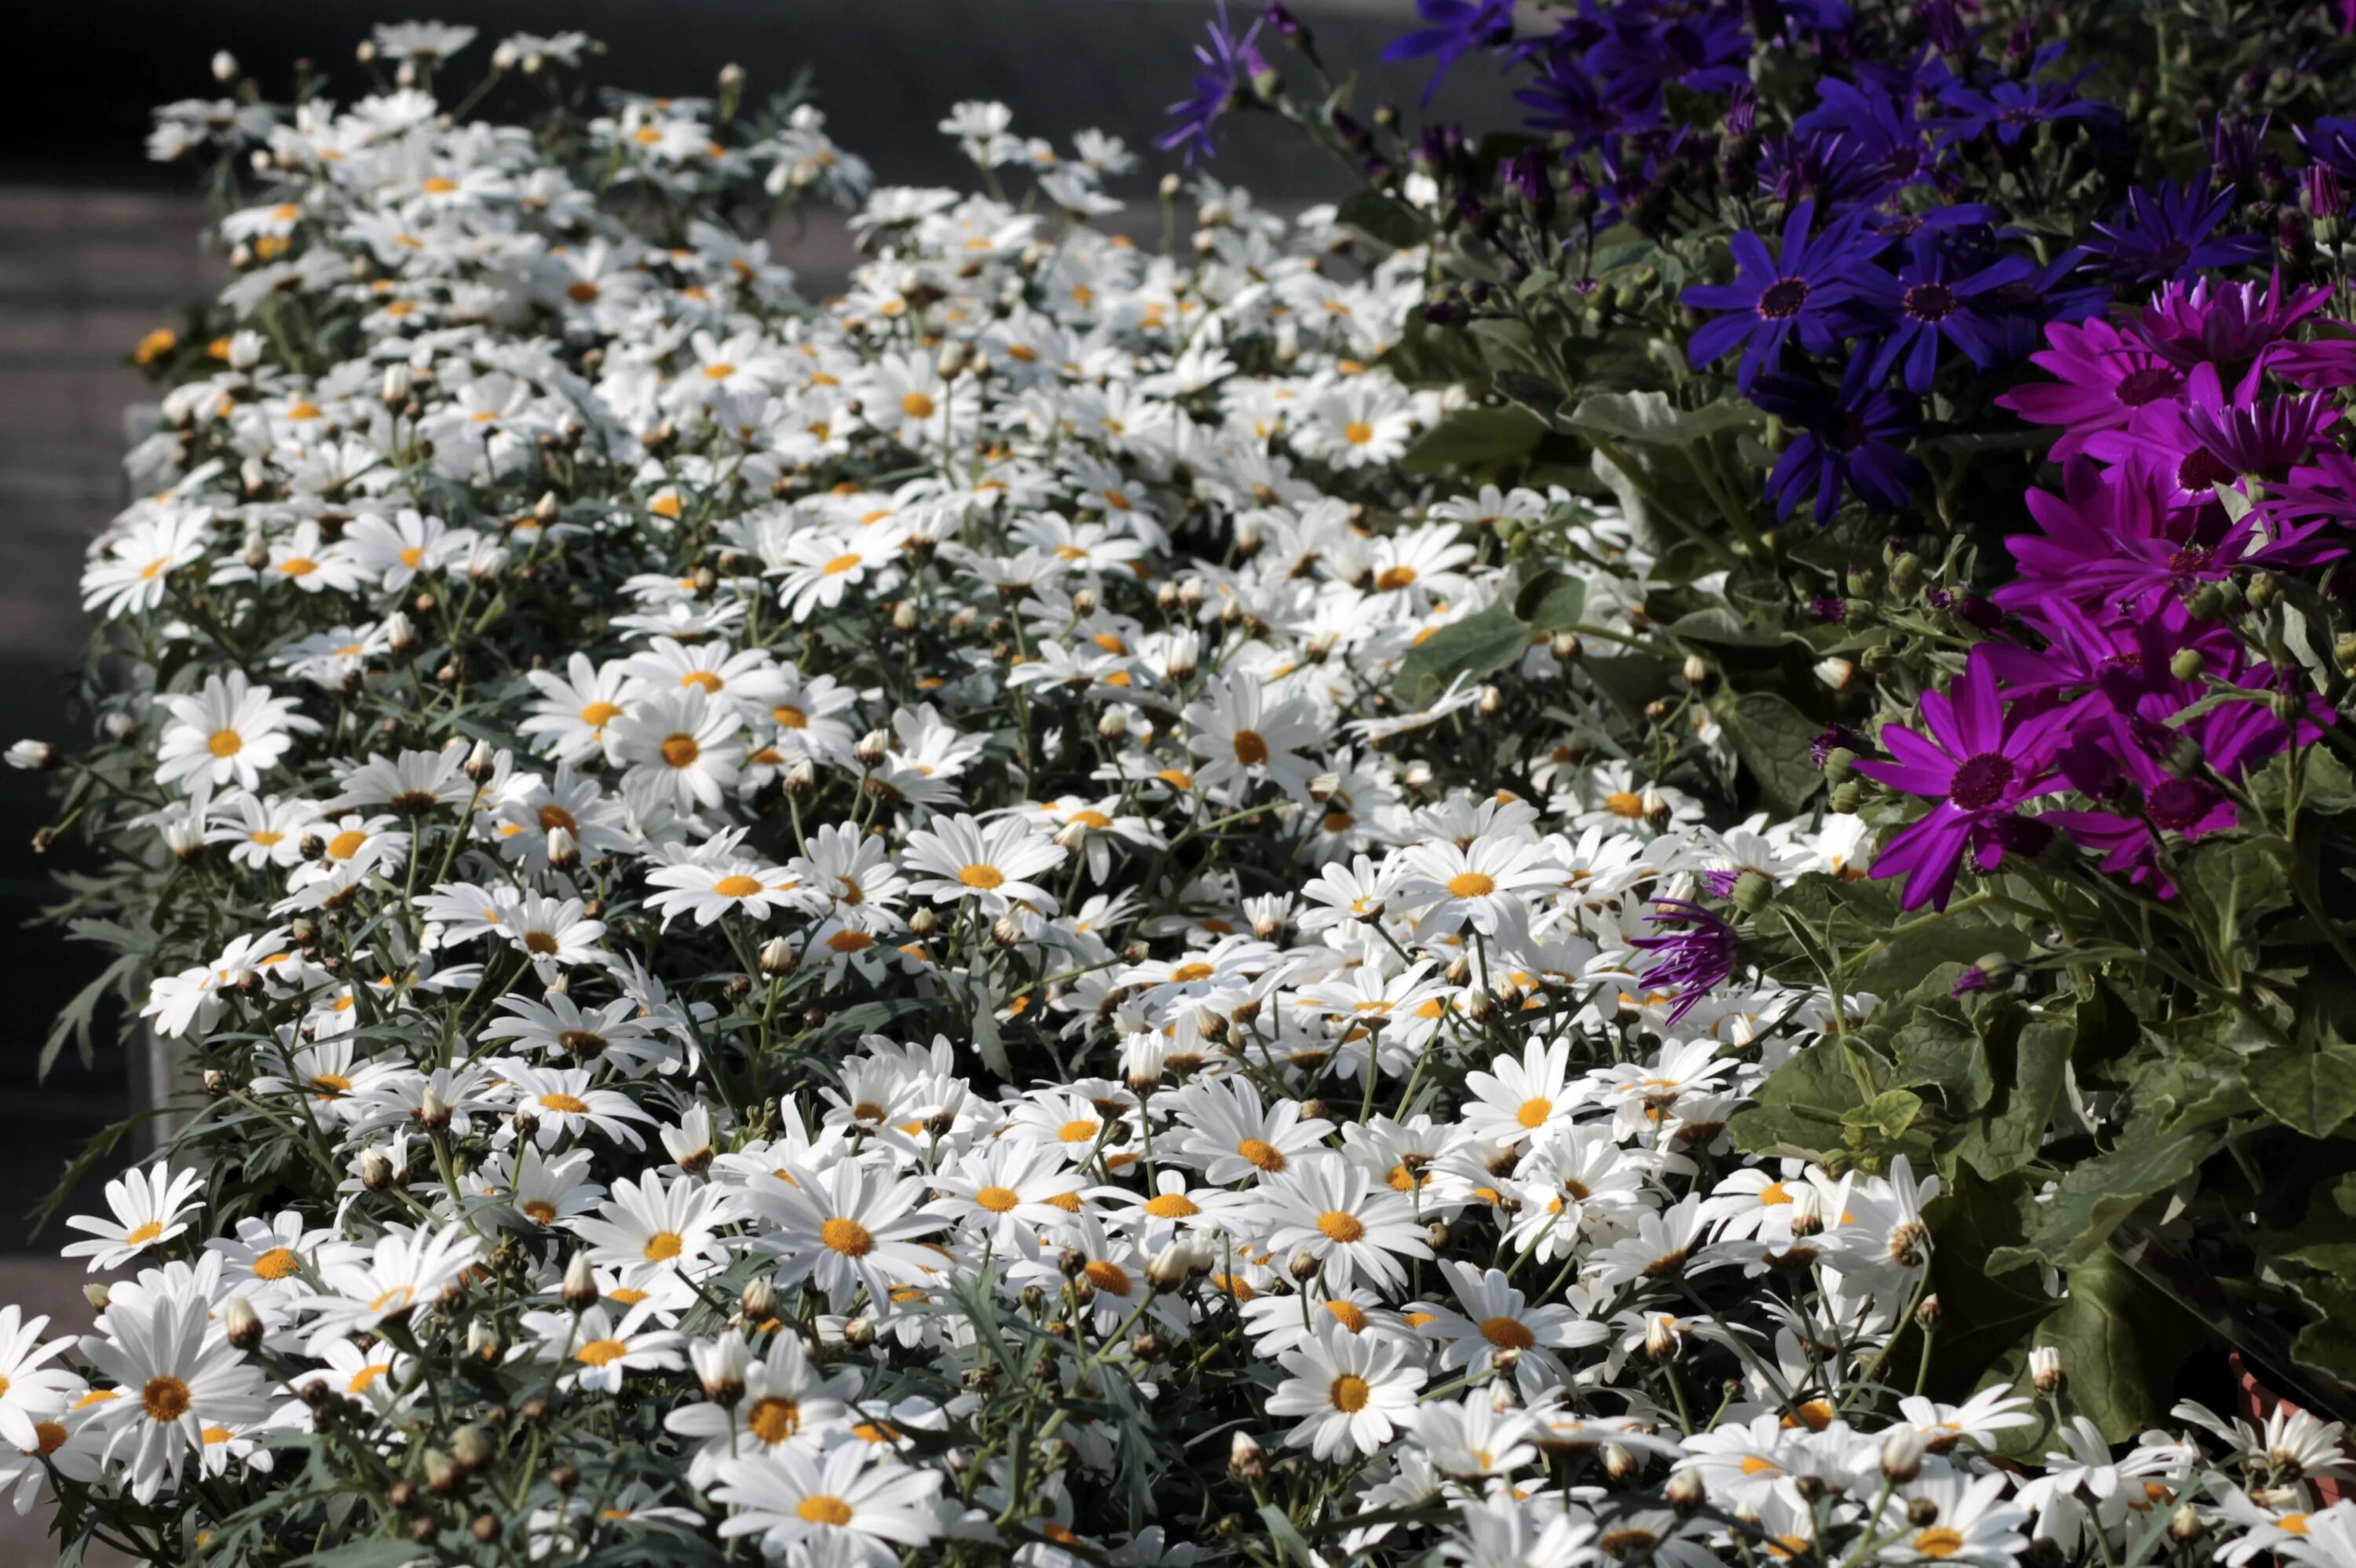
x,y
1781,300
1980,781
1930,301
2179,804
2192,558
2202,468
2148,385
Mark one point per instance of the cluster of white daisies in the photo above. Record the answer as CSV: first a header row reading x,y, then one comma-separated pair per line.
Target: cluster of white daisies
x,y
822,923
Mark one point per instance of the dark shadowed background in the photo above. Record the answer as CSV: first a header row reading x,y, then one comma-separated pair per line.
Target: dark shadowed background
x,y
97,245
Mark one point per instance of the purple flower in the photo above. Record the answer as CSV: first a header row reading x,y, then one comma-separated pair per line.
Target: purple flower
x,y
1776,298
2008,107
1849,440
2112,539
2331,142
1979,762
2106,376
1924,301
1696,949
2228,324
1455,29
2215,437
2169,230
1228,65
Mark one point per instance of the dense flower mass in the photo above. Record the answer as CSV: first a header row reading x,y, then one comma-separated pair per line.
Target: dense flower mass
x,y
1091,904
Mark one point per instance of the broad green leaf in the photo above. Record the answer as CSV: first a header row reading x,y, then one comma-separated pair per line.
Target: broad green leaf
x,y
1773,737
2313,1090
1882,1121
2098,1193
1651,418
1937,1048
2028,1055
1474,438
2328,1344
1798,1111
1983,1314
1551,600
1476,646
2121,1341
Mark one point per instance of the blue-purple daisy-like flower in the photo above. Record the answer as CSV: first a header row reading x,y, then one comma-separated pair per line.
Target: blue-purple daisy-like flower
x,y
1452,30
2169,230
1227,62
1775,298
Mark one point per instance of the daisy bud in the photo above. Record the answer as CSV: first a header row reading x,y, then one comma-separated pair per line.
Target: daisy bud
x,y
1696,669
871,748
1247,1461
376,1171
1491,704
1902,1454
1620,1465
186,840
778,957
758,1300
485,1527
472,1448
33,756
1845,796
1655,809
721,1367
224,68
1006,931
2186,1526
563,849
1169,1268
432,1110
801,779
2188,663
1661,1341
859,1332
1807,1211
1836,673
1436,1235
506,56
442,1474
1685,1491
924,924
739,986
398,382
581,1291
2045,1370
1922,1512
119,726
1502,1395
241,1322
1304,1267
1071,836
484,1341
216,1080
2264,590
400,632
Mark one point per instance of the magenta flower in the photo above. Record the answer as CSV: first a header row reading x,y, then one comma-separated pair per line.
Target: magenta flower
x,y
1696,949
1979,762
2226,325
2106,376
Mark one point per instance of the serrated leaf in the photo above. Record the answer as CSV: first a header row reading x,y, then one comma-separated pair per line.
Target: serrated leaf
x,y
2095,1194
1551,600
2312,1090
1652,419
2028,1056
1798,1111
1883,1120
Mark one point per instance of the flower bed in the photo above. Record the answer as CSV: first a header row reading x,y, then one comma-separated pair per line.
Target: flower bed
x,y
1119,904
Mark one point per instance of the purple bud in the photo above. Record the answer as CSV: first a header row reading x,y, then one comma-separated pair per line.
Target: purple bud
x,y
2319,189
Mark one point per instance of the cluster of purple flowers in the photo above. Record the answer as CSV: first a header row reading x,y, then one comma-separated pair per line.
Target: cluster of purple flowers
x,y
2194,449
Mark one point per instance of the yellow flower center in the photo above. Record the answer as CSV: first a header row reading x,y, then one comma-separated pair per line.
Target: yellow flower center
x,y
680,751
1534,1113
820,1509
848,1237
165,1398
1350,1393
1171,1206
736,887
1938,1542
570,1105
1266,1155
278,1263
1507,1334
982,877
1341,1226
1470,885
603,1352
664,1245
917,406
1250,749
773,1420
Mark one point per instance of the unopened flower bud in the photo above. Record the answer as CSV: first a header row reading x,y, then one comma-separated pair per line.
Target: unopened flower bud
x,y
33,756
443,1476
871,748
1247,1460
2188,663
1685,1491
2186,1526
1753,891
778,957
1169,1268
581,1292
242,1324
376,1171
720,1366
481,761
563,849
859,1333
2045,1370
758,1300
432,1110
472,1448
1902,1454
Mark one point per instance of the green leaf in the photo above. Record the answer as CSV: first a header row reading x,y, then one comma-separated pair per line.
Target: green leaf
x,y
2313,1091
1474,438
1937,1048
2328,1345
1984,1314
1798,1111
1478,646
1773,737
366,1554
1886,1116
2095,1194
1651,418
2028,1056
2121,1341
1291,1546
1551,600
1382,217
987,1043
